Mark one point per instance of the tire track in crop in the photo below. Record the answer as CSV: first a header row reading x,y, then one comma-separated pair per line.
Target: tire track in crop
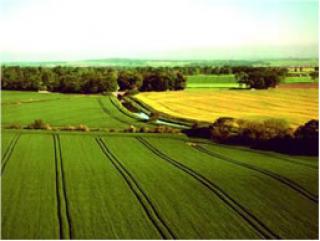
x,y
282,179
31,101
284,159
105,110
270,155
65,227
253,221
8,147
145,202
8,153
302,163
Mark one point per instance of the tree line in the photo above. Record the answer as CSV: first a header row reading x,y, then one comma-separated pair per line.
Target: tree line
x,y
89,80
109,79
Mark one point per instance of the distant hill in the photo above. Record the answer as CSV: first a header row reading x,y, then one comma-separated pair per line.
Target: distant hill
x,y
122,62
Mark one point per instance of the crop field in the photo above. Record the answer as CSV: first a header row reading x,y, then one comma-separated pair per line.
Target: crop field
x,y
72,185
303,79
229,81
90,186
60,110
211,81
296,105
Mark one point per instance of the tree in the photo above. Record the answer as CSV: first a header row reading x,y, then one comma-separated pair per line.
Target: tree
x,y
261,78
128,80
242,78
314,75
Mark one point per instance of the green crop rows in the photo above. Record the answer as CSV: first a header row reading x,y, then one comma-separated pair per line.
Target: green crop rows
x,y
141,186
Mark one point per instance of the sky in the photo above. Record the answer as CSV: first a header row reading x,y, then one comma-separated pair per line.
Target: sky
x,y
49,30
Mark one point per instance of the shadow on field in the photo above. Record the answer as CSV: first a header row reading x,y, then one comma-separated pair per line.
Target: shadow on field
x,y
273,135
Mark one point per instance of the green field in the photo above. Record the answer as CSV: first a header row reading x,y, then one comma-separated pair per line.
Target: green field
x,y
303,79
229,81
211,81
61,110
72,185
87,186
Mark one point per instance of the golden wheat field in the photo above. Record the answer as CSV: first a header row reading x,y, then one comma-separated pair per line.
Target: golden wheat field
x,y
296,105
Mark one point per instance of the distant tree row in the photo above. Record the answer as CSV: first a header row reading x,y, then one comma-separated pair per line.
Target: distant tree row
x,y
90,79
151,80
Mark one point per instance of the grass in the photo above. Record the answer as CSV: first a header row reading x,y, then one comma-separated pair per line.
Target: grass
x,y
101,205
266,193
172,198
303,79
305,176
65,110
28,195
229,81
88,186
211,81
16,97
297,106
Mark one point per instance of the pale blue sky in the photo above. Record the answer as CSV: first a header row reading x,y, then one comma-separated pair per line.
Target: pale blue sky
x,y
176,29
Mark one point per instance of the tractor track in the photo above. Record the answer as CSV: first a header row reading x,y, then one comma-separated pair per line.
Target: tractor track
x,y
301,163
284,180
253,221
8,153
146,204
64,217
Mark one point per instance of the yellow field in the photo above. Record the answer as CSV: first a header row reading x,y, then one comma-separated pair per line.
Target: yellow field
x,y
294,105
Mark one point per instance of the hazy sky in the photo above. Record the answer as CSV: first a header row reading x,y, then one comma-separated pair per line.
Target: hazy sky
x,y
175,29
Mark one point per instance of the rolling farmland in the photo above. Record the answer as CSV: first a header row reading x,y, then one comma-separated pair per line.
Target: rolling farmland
x,y
296,105
72,185
87,186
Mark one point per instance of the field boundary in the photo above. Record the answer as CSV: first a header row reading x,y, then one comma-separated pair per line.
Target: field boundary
x,y
130,115
8,152
65,226
253,221
284,180
164,116
105,110
143,199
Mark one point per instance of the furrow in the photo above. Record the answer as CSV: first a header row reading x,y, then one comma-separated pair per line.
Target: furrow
x,y
254,222
287,160
284,180
9,152
147,205
8,148
65,227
